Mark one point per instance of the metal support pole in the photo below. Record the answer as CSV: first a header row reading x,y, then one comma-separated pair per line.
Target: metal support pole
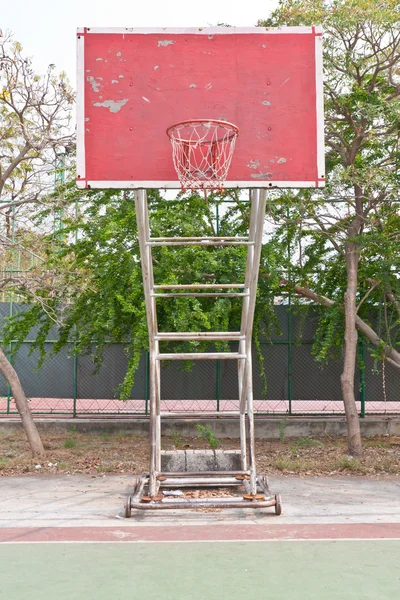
x,y
218,383
254,197
147,272
75,381
259,225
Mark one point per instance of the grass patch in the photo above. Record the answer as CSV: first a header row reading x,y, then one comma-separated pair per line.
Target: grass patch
x,y
122,436
103,468
292,465
65,466
344,463
377,444
304,442
70,443
308,441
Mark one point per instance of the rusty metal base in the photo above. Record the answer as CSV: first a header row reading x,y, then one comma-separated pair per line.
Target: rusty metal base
x,y
137,499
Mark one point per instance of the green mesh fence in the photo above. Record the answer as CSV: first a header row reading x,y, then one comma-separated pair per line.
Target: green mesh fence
x,y
294,383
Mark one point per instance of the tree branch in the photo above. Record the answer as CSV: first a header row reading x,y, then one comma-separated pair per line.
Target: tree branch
x,y
389,353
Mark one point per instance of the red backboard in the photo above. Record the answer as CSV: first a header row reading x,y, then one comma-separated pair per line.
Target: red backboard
x,y
134,83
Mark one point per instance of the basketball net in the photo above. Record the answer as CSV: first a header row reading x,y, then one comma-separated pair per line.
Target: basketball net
x,y
202,151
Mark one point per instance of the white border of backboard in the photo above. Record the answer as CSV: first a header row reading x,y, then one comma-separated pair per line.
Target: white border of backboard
x,y
81,159
319,81
80,110
198,30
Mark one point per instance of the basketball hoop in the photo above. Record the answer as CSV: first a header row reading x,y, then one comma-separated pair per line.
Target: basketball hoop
x,y
202,151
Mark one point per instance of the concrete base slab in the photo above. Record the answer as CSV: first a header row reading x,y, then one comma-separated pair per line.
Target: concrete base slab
x,y
200,460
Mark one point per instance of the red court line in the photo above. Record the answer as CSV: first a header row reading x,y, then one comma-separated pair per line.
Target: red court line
x,y
202,533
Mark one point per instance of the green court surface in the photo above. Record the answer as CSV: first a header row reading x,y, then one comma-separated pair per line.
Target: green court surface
x,y
291,570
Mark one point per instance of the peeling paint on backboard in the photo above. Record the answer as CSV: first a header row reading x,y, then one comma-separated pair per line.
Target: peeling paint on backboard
x,y
261,175
95,84
164,43
114,106
254,163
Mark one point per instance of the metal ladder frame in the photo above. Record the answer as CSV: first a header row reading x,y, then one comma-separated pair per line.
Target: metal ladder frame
x,y
156,479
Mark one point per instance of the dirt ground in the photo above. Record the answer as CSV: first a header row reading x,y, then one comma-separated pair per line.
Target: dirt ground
x,y
91,453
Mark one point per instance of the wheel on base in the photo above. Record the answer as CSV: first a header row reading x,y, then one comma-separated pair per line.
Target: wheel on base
x,y
127,507
278,505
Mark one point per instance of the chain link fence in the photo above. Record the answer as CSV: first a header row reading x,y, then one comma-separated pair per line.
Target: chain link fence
x,y
294,383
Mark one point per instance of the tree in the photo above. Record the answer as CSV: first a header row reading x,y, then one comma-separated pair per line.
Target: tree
x,y
99,271
35,112
362,110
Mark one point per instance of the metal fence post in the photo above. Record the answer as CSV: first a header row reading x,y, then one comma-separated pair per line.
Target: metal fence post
x,y
8,385
75,381
362,379
218,383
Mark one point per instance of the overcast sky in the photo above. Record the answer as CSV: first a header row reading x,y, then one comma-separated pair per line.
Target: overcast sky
x,y
46,28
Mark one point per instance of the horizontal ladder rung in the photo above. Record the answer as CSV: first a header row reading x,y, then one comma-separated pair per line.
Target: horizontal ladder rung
x,y
201,356
211,474
200,286
197,238
203,294
200,415
199,335
202,242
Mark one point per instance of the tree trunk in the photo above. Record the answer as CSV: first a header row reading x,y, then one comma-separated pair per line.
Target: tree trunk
x,y
350,351
23,407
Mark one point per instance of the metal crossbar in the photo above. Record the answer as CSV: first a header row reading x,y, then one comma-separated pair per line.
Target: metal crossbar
x,y
243,356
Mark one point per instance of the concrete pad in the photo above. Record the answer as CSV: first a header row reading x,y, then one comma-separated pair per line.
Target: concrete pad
x,y
228,460
200,460
81,500
173,461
